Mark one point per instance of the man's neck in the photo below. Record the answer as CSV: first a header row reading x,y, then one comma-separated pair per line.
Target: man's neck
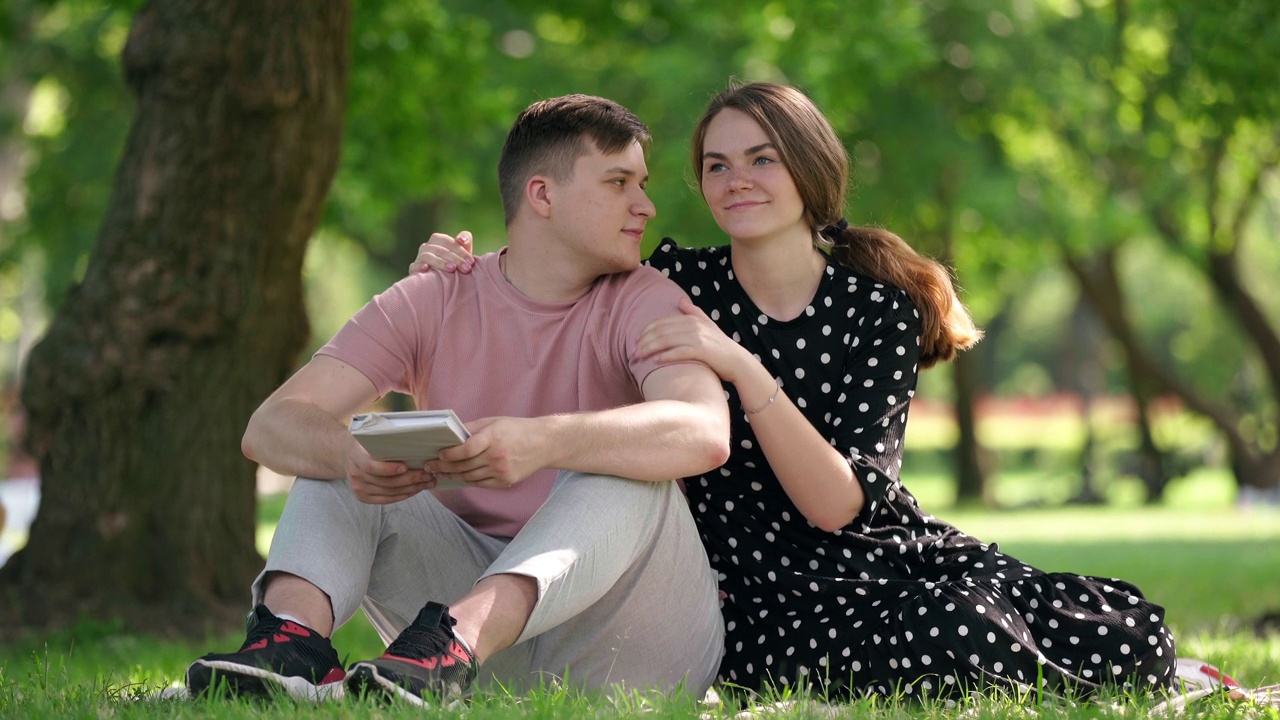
x,y
540,274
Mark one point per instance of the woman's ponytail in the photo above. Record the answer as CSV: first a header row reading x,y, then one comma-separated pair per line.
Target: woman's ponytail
x,y
946,327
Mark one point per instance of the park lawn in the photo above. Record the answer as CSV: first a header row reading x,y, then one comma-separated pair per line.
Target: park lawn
x,y
1213,566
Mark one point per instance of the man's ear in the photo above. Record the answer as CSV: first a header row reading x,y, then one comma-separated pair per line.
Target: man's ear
x,y
537,192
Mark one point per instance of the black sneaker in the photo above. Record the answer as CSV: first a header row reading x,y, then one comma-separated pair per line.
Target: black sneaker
x,y
277,656
426,660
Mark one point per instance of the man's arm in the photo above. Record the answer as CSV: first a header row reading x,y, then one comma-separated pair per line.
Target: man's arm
x,y
301,429
681,429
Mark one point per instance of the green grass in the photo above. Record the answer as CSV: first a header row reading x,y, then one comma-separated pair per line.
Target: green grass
x,y
1214,567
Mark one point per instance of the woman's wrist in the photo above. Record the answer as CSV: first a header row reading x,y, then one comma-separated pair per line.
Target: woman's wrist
x,y
757,388
777,390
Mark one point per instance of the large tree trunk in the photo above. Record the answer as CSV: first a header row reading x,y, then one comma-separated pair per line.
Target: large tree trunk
x,y
190,313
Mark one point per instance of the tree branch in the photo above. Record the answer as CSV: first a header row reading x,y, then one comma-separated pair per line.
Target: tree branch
x,y
1101,288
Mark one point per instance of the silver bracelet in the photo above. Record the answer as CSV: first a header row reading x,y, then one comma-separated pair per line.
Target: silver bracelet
x,y
777,387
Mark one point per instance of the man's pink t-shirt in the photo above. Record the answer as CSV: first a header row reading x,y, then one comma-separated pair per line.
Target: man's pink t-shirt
x,y
477,345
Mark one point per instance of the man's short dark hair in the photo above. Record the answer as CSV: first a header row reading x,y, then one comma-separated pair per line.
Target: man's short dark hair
x,y
550,135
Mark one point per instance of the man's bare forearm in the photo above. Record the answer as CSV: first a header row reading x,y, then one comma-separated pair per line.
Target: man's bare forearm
x,y
293,437
656,440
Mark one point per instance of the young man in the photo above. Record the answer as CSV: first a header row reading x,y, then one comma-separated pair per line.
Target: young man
x,y
594,574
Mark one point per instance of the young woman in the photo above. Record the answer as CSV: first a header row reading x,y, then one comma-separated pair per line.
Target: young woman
x,y
833,578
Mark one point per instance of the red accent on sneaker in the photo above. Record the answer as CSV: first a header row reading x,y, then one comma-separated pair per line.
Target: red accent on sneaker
x,y
1218,675
335,675
294,628
281,638
428,663
455,654
255,646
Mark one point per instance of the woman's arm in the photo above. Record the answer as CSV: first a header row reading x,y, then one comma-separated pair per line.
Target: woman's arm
x,y
816,476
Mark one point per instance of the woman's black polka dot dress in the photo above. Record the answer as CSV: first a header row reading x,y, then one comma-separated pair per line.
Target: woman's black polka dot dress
x,y
898,601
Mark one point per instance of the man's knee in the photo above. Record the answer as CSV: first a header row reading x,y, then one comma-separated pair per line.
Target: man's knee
x,y
612,492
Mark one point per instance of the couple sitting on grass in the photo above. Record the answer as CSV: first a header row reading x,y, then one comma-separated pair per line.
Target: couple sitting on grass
x,y
773,374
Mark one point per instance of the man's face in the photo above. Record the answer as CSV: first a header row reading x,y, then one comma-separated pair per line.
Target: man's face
x,y
602,210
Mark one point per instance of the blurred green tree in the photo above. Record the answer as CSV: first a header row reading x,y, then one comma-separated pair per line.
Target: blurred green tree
x,y
1154,119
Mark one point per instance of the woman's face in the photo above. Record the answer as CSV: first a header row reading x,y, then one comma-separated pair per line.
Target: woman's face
x,y
750,192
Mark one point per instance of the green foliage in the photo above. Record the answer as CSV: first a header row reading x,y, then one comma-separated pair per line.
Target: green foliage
x,y
999,136
1146,126
419,115
74,131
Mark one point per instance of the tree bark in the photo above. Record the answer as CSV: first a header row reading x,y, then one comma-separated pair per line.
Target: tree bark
x,y
190,313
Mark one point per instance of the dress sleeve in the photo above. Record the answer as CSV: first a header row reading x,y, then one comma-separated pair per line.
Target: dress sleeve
x,y
870,414
664,258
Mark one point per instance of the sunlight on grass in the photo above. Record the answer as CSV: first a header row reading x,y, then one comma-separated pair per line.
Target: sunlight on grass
x,y
1053,423
1084,524
1022,488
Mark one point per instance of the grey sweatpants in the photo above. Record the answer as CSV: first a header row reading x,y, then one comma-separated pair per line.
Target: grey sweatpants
x,y
626,598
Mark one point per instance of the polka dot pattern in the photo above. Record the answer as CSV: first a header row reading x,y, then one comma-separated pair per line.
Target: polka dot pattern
x,y
897,601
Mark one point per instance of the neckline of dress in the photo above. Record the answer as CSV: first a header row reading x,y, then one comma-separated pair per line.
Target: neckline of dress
x,y
797,321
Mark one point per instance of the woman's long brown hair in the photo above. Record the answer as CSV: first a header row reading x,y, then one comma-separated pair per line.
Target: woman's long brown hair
x,y
819,166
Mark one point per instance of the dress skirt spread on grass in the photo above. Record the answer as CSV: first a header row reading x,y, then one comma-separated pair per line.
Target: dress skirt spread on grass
x,y
897,603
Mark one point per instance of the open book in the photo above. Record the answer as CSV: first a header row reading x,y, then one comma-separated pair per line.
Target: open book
x,y
411,437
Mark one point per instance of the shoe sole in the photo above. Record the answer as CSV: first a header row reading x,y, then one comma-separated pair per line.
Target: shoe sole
x,y
245,680
365,681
